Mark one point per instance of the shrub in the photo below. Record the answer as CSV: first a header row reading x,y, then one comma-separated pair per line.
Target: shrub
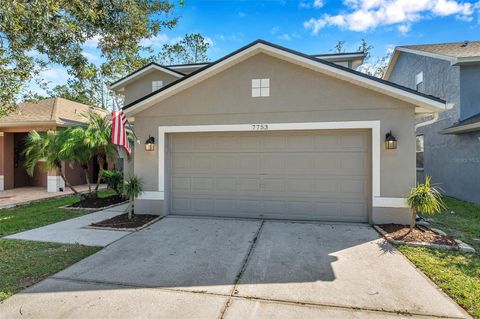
x,y
426,199
132,189
114,180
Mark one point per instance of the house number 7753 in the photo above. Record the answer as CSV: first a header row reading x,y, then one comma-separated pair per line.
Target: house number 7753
x,y
260,127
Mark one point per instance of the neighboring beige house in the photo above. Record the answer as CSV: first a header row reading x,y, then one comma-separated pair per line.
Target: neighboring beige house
x,y
268,132
44,115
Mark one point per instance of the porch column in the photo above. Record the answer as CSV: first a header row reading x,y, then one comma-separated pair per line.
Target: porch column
x,y
6,161
54,181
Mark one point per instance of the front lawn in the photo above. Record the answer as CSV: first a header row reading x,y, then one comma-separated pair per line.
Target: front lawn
x,y
34,215
24,263
461,220
457,273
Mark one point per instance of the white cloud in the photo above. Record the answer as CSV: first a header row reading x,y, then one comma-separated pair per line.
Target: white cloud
x,y
154,41
241,14
93,42
274,30
91,57
288,37
363,15
404,28
318,3
53,74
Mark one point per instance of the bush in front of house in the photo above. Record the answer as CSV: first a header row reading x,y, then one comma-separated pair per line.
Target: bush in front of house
x,y
114,180
426,199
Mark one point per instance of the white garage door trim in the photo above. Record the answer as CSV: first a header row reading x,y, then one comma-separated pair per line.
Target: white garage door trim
x,y
377,200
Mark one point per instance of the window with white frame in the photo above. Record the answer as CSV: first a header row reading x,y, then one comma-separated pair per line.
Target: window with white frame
x,y
419,151
156,85
419,81
260,87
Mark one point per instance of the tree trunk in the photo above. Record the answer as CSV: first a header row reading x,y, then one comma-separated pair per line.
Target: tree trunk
x,y
101,162
87,176
67,183
412,221
130,209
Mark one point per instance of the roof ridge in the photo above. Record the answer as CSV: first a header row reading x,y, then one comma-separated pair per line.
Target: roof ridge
x,y
53,115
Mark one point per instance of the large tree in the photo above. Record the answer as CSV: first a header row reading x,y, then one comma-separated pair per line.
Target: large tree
x,y
371,66
58,30
191,49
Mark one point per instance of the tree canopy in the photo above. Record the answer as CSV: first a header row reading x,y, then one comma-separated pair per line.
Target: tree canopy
x,y
58,30
191,49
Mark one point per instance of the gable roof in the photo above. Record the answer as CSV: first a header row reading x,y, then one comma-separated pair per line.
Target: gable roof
x,y
456,53
455,49
54,111
145,69
425,103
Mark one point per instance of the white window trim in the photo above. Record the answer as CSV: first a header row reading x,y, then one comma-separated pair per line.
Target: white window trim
x,y
261,87
156,87
419,169
377,200
418,79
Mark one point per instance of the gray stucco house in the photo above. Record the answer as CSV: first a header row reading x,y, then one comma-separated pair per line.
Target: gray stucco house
x,y
448,146
268,132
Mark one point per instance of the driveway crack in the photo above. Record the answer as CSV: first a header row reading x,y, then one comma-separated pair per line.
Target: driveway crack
x,y
242,270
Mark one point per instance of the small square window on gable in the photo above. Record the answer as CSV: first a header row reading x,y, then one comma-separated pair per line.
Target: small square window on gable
x,y
156,85
419,81
260,87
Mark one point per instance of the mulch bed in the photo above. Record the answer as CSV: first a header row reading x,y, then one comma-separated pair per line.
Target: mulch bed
x,y
122,221
418,234
99,202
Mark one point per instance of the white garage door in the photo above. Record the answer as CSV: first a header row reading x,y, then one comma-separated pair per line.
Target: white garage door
x,y
304,175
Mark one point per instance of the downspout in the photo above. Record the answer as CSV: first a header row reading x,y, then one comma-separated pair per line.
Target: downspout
x,y
433,120
448,106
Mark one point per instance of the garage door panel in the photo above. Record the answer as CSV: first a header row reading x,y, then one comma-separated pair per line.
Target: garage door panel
x,y
319,175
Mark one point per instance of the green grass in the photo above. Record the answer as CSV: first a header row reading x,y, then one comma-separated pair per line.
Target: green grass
x,y
18,219
458,274
24,263
461,220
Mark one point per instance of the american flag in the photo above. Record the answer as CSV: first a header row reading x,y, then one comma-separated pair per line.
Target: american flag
x,y
119,132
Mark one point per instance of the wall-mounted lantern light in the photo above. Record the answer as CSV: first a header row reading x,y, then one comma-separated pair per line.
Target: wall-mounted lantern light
x,y
150,144
390,141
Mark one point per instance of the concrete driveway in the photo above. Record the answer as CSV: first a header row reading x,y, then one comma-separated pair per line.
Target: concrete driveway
x,y
225,268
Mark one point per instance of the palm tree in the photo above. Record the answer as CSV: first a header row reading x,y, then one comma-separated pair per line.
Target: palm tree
x,y
132,189
74,148
97,137
426,199
46,147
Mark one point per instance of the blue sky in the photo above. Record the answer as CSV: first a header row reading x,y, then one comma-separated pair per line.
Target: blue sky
x,y
314,26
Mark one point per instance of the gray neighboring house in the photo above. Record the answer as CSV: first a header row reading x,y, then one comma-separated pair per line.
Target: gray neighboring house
x,y
448,147
268,132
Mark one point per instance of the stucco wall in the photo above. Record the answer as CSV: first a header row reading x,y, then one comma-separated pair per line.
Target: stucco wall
x,y
143,85
469,91
297,95
453,161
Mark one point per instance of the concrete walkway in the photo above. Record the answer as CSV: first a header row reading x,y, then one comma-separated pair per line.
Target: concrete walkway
x,y
225,268
24,195
73,230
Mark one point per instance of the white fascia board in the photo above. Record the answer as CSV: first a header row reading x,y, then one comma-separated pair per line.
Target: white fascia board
x,y
423,102
428,54
187,66
467,60
462,129
130,78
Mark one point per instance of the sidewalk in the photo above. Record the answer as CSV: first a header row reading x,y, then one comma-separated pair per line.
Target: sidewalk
x,y
73,231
